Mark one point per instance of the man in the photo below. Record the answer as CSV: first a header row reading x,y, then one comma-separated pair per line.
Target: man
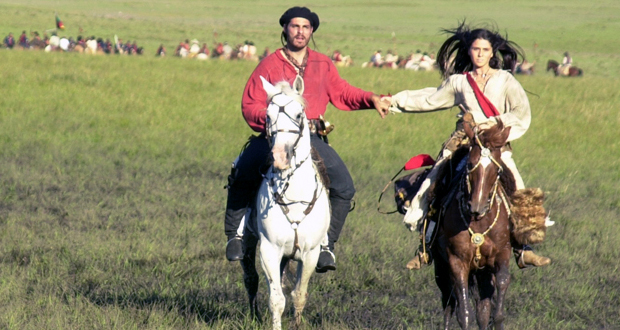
x,y
23,40
9,41
226,51
567,61
323,85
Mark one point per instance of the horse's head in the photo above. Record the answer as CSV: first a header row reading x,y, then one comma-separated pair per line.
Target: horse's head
x,y
552,65
287,125
484,166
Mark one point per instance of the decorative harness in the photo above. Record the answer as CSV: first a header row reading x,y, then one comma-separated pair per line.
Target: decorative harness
x,y
278,196
478,238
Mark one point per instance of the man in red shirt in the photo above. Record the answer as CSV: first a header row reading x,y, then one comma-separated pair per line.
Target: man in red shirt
x,y
322,85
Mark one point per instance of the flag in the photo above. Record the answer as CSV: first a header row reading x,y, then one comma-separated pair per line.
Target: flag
x,y
59,24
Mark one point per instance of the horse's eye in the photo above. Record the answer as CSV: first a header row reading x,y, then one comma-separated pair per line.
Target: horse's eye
x,y
299,116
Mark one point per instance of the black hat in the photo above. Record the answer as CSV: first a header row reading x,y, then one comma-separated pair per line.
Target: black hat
x,y
302,12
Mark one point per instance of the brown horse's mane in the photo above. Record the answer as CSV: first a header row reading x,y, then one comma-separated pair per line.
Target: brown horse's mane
x,y
492,138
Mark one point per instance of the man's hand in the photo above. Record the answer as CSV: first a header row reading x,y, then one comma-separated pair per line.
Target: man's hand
x,y
382,104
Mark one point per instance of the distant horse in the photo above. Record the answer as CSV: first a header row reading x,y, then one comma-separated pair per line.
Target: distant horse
x,y
78,48
346,61
37,44
525,68
573,71
473,245
292,206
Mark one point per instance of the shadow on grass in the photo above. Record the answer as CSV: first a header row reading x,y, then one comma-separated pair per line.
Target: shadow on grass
x,y
209,306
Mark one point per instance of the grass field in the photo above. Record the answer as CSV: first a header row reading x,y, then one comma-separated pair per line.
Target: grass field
x,y
112,168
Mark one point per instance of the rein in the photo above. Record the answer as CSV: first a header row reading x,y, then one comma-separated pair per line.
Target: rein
x,y
478,238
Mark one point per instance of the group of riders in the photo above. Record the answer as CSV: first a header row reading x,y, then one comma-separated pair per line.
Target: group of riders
x,y
88,45
471,59
418,61
220,50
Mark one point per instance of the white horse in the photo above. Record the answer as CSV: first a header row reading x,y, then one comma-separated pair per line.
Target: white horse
x,y
292,206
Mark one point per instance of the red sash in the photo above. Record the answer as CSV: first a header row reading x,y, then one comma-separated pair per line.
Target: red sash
x,y
487,107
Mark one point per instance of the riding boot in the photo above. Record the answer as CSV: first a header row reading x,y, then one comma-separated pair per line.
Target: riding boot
x,y
236,208
423,254
421,259
526,257
243,182
339,209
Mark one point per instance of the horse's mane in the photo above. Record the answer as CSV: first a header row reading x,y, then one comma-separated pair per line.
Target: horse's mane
x,y
285,88
320,165
492,138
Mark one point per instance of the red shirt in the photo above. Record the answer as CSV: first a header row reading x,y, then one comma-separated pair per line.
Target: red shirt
x,y
322,85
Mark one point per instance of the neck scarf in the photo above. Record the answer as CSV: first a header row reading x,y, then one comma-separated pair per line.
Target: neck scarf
x,y
487,107
300,67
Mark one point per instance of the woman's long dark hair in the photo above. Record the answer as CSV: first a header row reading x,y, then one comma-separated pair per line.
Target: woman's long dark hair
x,y
453,56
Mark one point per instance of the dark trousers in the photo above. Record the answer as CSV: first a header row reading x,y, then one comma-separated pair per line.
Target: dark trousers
x,y
247,177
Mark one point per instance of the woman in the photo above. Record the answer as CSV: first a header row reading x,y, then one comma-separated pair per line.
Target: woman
x,y
477,66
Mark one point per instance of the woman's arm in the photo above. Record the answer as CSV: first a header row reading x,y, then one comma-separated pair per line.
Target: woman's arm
x,y
426,99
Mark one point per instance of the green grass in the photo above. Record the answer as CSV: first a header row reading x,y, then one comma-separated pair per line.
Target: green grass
x,y
112,168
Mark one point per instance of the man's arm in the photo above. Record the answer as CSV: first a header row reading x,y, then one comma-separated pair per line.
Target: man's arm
x,y
344,96
253,103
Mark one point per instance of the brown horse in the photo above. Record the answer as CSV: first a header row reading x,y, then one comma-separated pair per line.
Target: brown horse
x,y
473,245
573,71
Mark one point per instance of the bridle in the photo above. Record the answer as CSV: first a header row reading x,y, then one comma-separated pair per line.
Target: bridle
x,y
298,122
278,195
485,157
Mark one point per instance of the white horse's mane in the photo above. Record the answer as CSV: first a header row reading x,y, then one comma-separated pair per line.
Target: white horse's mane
x,y
284,87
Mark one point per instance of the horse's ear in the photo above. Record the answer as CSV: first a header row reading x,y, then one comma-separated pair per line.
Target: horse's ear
x,y
298,85
468,125
269,88
504,136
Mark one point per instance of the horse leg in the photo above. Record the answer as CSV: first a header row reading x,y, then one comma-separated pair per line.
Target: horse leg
x,y
305,269
502,281
485,290
460,278
442,279
250,276
270,257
